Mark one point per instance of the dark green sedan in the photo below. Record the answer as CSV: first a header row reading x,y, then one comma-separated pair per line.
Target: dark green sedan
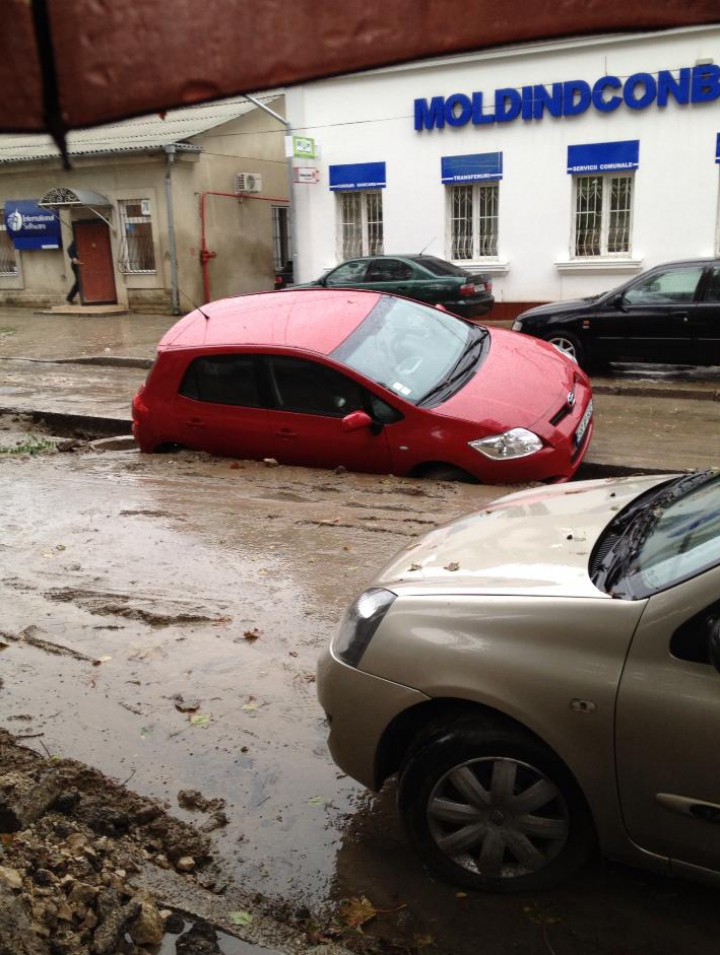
x,y
421,277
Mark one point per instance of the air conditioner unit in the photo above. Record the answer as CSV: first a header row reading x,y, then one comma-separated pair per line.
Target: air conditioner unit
x,y
248,182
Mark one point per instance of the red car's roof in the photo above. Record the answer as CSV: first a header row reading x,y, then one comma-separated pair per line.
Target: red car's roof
x,y
316,320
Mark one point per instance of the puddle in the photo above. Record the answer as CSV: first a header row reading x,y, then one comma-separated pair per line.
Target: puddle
x,y
215,943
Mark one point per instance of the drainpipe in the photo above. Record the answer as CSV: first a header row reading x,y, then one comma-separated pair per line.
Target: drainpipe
x,y
174,284
291,204
205,253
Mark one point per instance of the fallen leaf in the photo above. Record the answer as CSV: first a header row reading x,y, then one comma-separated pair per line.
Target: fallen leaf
x,y
315,801
249,707
357,912
186,706
251,635
423,941
240,918
453,565
461,895
415,567
200,719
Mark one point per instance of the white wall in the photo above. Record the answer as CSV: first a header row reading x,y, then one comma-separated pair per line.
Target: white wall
x,y
369,117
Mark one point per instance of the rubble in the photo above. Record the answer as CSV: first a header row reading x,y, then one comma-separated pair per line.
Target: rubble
x,y
70,841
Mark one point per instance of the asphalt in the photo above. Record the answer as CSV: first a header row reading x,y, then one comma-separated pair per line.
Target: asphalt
x,y
79,372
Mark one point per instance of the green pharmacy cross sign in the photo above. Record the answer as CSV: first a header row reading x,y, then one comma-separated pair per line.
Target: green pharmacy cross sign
x,y
303,147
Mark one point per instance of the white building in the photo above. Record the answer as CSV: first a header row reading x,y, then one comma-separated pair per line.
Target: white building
x,y
562,168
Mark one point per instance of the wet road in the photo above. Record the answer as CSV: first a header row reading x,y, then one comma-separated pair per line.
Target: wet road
x,y
206,589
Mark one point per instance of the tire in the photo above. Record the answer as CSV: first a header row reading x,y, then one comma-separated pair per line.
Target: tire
x,y
524,822
448,472
569,344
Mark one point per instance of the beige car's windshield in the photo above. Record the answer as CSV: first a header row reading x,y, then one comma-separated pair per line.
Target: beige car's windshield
x,y
669,536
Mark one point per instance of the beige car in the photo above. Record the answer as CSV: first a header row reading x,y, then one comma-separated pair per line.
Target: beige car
x,y
543,675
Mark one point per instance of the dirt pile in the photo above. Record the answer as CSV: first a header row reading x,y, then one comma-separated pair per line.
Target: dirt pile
x,y
70,842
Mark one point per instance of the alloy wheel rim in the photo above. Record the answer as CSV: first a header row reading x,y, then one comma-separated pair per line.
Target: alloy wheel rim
x,y
497,817
565,345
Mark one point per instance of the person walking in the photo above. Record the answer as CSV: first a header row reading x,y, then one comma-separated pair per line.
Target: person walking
x,y
75,264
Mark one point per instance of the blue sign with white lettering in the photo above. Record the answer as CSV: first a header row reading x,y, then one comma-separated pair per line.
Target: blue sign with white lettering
x,y
689,85
471,168
30,226
358,175
603,157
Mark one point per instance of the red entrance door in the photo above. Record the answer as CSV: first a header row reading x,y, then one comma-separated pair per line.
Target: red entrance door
x,y
97,275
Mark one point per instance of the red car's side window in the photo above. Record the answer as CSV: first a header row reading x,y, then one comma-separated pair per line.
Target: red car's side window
x,y
311,388
222,379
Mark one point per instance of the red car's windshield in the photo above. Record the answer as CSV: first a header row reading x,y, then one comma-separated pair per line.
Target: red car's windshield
x,y
408,348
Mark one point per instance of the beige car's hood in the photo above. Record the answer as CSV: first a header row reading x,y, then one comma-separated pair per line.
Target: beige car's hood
x,y
536,542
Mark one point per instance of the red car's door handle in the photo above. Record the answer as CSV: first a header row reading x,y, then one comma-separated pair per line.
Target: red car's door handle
x,y
195,423
287,433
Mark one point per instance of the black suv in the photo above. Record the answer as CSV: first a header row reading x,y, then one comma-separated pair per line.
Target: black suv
x,y
668,314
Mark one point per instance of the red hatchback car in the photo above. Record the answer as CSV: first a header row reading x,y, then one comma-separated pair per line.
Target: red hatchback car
x,y
369,381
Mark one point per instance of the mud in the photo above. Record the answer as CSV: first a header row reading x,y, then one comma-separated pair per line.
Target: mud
x,y
218,582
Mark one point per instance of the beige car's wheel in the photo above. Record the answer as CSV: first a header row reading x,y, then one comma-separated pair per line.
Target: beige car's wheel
x,y
491,808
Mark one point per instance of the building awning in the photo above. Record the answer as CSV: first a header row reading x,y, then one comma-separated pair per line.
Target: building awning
x,y
63,198
358,175
603,157
474,167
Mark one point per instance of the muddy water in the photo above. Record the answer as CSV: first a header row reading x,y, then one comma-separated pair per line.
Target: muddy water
x,y
207,591
163,617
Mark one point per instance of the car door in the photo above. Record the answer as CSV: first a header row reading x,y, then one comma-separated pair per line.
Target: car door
x,y
657,311
309,402
668,727
704,319
218,408
391,275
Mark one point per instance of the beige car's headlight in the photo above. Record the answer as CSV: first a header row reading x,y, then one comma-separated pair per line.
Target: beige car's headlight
x,y
360,623
516,443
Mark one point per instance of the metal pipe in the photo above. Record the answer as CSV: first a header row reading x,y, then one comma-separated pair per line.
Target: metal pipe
x,y
205,253
174,280
291,203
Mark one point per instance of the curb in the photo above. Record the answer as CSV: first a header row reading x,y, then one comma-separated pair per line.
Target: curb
x,y
96,426
114,361
653,392
74,425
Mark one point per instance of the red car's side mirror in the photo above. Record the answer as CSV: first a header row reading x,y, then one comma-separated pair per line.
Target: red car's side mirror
x,y
356,420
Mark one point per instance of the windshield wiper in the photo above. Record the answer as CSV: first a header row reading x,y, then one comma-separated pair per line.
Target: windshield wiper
x,y
460,368
637,523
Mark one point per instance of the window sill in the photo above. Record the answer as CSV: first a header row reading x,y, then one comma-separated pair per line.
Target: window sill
x,y
490,266
599,264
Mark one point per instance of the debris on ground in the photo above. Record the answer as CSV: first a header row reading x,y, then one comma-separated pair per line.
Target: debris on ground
x,y
70,841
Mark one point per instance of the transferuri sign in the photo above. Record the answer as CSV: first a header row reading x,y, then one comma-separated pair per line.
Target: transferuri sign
x,y
697,84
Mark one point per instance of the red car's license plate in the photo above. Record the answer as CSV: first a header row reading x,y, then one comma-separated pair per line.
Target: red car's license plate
x,y
584,422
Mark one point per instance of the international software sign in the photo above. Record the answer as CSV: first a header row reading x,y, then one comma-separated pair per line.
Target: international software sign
x,y
30,226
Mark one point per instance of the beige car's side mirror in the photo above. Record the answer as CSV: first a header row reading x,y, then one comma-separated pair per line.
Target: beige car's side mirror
x,y
713,644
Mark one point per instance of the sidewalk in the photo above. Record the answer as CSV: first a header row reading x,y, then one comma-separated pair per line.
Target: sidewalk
x,y
81,372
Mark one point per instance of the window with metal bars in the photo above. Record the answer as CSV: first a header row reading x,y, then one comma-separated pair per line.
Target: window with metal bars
x,y
282,239
603,215
8,259
137,253
473,221
360,224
